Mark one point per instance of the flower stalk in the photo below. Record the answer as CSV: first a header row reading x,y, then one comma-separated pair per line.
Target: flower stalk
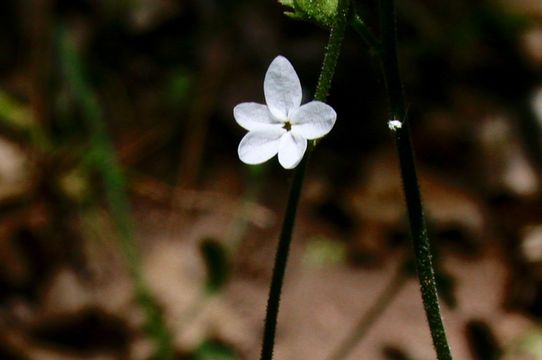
x,y
418,227
281,258
333,50
324,83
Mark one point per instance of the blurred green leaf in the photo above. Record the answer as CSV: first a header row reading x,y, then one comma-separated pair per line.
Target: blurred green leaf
x,y
14,114
178,88
212,350
323,251
216,261
528,346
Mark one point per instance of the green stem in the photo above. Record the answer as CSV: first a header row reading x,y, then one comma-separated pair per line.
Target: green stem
x,y
418,228
281,259
374,45
324,83
333,50
389,293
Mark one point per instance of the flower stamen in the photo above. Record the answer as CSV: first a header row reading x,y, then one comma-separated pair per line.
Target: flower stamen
x,y
287,125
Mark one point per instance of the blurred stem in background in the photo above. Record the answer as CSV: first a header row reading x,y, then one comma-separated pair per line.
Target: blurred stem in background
x,y
390,292
238,227
422,250
331,56
41,40
197,122
102,157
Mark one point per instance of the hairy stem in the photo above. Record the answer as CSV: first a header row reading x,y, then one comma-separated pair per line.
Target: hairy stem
x,y
281,259
418,228
333,50
324,83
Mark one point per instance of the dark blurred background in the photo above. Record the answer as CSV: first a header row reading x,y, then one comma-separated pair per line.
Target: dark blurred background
x,y
119,177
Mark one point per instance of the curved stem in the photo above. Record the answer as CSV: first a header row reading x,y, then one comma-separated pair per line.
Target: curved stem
x,y
418,228
324,82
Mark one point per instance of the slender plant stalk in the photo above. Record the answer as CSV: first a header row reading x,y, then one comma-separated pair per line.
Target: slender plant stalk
x,y
324,83
333,50
281,258
104,159
418,228
374,45
390,292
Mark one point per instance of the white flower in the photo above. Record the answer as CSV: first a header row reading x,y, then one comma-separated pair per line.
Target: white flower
x,y
283,126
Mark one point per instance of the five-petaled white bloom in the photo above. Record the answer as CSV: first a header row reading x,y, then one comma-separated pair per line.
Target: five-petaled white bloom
x,y
284,125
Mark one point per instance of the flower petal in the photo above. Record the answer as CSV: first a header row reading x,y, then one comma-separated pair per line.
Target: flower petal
x,y
253,116
291,150
313,120
259,146
282,88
